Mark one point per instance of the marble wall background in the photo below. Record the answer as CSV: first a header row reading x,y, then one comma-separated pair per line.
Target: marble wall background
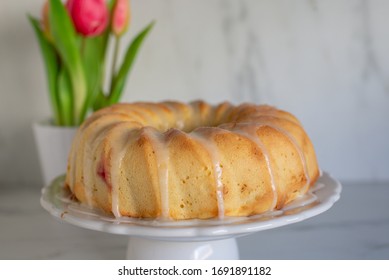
x,y
325,61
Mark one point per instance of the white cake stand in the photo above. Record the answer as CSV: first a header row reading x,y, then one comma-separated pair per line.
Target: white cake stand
x,y
194,239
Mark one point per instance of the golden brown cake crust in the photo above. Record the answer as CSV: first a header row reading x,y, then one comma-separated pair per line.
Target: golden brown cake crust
x,y
186,161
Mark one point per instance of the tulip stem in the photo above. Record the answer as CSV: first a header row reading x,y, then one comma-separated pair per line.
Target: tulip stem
x,y
83,43
114,60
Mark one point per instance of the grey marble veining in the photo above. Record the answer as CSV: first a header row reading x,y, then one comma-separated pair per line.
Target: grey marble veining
x,y
357,227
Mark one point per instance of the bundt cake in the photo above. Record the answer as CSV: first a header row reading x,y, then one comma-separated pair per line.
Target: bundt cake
x,y
185,161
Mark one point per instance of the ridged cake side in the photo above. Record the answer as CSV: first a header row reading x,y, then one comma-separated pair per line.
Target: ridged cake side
x,y
185,161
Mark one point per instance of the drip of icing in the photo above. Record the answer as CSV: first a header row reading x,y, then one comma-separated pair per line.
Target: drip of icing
x,y
251,133
87,174
71,176
211,149
76,144
299,151
117,154
87,177
87,161
119,149
158,142
91,126
268,111
162,158
180,124
73,158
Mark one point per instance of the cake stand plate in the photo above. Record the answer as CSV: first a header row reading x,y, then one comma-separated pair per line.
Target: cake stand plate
x,y
192,239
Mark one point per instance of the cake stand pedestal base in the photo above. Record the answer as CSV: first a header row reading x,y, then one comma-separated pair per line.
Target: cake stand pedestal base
x,y
153,249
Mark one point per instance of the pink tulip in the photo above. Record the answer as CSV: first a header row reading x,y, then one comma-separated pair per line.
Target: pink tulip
x,y
90,17
120,17
45,20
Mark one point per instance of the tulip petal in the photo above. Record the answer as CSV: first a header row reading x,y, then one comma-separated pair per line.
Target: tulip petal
x,y
120,17
90,17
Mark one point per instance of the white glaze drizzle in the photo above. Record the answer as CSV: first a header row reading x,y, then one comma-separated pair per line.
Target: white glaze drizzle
x,y
87,151
78,143
268,111
211,148
118,152
159,145
297,206
251,133
290,137
72,160
117,155
162,158
299,151
87,174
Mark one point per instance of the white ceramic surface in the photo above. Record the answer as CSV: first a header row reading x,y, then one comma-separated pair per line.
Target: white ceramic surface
x,y
53,144
192,239
152,249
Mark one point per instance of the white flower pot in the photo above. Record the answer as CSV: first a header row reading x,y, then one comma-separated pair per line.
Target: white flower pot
x,y
53,144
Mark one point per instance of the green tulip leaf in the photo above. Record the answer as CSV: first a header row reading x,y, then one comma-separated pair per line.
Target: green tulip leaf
x,y
65,39
92,50
65,97
51,65
100,101
119,80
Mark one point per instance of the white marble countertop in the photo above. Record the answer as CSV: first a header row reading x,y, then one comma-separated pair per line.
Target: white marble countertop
x,y
357,227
